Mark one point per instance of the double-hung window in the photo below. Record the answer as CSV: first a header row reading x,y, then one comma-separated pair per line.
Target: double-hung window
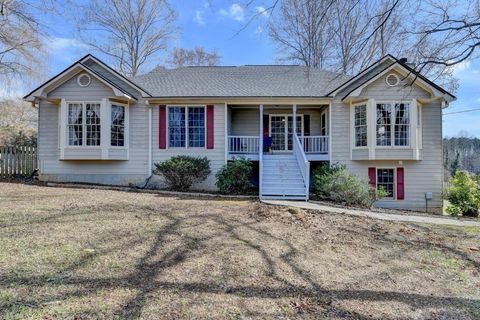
x,y
386,181
83,124
117,128
393,124
360,119
186,126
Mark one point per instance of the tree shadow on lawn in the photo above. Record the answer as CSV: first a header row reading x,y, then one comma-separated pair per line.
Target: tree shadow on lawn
x,y
415,244
144,279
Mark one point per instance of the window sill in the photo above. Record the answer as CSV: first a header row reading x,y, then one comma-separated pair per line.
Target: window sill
x,y
388,153
94,153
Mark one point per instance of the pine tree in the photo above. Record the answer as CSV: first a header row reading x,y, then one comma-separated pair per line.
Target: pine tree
x,y
455,166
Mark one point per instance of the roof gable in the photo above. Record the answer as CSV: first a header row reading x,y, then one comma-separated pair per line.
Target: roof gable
x,y
109,73
67,74
355,85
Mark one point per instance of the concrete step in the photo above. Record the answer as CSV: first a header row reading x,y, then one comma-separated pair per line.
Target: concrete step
x,y
292,184
291,197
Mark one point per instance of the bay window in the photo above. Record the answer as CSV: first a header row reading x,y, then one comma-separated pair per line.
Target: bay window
x,y
393,123
83,124
360,120
186,126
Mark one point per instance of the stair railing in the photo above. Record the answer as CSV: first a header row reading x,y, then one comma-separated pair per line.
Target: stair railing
x,y
303,163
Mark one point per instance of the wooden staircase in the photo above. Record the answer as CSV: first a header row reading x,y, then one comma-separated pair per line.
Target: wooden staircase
x,y
282,178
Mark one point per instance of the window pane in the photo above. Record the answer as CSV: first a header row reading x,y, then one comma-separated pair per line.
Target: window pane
x,y
384,128
360,126
402,122
92,126
386,181
176,127
196,127
75,124
117,128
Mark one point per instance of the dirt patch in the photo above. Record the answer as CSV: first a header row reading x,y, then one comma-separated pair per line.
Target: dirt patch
x,y
90,254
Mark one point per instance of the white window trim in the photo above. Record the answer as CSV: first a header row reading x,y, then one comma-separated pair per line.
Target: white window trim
x,y
393,102
352,116
301,115
81,75
394,182
186,106
324,114
126,132
84,136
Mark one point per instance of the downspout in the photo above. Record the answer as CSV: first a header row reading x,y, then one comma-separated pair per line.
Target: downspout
x,y
150,160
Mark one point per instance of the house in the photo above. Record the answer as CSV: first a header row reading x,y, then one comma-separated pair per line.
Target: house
x,y
383,124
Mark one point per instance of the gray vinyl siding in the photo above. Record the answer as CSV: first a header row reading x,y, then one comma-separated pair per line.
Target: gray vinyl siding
x,y
379,90
367,75
420,176
113,78
70,90
135,170
245,122
359,154
216,155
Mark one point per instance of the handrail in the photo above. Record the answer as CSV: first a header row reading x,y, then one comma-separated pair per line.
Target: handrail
x,y
303,163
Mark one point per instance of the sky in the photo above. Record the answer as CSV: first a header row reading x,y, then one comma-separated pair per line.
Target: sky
x,y
220,25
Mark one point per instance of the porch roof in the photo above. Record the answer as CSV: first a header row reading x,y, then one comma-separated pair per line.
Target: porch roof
x,y
242,81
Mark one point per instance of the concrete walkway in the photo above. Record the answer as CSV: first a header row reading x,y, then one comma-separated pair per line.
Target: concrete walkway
x,y
375,215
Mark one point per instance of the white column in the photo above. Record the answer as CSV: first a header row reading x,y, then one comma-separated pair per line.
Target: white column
x,y
227,141
105,121
260,151
371,128
294,124
260,142
414,130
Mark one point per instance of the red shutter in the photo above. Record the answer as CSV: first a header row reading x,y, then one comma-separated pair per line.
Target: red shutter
x,y
400,184
210,127
162,127
372,175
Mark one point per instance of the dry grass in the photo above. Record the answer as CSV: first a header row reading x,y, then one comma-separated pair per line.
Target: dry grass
x,y
89,254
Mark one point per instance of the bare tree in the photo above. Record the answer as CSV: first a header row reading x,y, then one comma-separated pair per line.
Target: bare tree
x,y
18,122
340,35
131,32
302,32
348,35
454,26
193,57
21,43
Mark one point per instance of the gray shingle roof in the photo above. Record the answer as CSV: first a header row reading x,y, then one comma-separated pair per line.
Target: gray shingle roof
x,y
243,81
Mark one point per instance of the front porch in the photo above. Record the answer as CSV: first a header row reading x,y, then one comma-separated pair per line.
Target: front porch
x,y
283,139
271,127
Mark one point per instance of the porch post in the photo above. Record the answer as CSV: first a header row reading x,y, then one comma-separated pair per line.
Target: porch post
x,y
260,141
260,153
294,121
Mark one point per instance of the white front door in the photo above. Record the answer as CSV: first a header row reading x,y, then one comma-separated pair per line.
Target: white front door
x,y
281,128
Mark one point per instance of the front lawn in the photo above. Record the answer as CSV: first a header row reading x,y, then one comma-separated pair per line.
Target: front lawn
x,y
89,254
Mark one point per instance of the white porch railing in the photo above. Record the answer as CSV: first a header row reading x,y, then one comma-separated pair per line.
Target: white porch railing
x,y
315,144
243,144
303,163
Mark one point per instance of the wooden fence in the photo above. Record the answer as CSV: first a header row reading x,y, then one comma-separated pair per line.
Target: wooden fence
x,y
18,161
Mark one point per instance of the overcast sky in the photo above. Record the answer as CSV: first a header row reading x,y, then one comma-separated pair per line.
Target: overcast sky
x,y
217,25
